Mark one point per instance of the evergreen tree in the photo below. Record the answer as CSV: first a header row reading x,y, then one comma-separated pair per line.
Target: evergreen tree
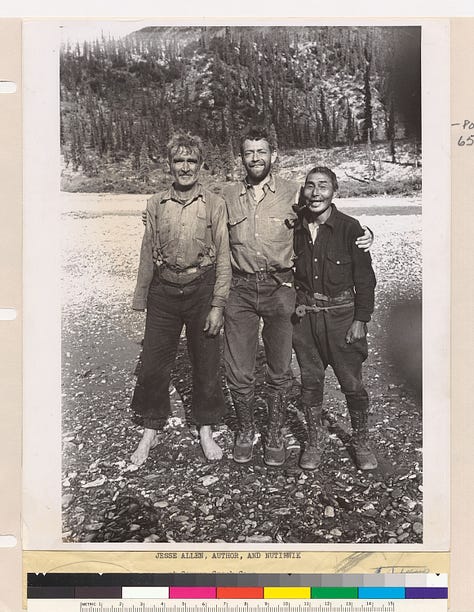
x,y
214,81
325,138
229,164
368,124
391,131
144,164
273,135
350,131
334,126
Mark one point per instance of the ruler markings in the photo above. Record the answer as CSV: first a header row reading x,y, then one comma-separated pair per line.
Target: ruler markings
x,y
43,605
327,606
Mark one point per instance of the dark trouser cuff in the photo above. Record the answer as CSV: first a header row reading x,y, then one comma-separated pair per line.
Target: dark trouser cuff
x,y
149,423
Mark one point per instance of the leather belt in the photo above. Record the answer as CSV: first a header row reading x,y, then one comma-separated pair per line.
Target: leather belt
x,y
192,270
202,271
345,297
263,274
303,309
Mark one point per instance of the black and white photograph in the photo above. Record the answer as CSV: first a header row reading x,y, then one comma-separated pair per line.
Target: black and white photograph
x,y
241,263
174,431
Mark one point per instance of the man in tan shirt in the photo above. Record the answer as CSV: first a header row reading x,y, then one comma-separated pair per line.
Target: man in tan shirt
x,y
183,279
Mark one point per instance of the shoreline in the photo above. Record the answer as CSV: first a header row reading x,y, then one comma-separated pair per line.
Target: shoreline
x,y
98,204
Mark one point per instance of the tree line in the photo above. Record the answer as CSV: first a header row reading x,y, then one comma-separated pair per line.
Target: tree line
x,y
121,99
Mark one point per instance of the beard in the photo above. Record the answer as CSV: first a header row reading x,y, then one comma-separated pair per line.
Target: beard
x,y
258,173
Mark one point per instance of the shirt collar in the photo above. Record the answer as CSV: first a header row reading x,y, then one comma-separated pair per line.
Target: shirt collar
x,y
172,194
269,181
330,221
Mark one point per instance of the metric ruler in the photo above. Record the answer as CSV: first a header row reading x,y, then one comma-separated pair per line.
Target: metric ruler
x,y
136,605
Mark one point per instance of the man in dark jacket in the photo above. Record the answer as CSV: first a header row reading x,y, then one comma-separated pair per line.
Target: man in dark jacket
x,y
335,285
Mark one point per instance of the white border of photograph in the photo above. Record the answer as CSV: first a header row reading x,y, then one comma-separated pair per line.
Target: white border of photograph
x,y
42,292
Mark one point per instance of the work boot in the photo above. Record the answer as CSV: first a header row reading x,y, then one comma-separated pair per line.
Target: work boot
x,y
274,453
311,456
364,457
245,438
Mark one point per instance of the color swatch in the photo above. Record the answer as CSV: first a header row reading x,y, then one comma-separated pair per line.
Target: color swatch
x,y
238,586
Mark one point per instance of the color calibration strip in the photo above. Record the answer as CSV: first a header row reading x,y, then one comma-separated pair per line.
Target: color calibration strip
x,y
289,593
238,586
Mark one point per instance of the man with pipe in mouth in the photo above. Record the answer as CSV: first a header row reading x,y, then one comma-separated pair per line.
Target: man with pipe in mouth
x,y
335,284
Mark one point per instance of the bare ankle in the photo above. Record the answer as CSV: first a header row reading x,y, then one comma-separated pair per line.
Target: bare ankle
x,y
148,434
147,442
210,448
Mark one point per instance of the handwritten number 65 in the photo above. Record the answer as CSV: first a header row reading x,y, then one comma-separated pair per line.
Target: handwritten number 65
x,y
469,141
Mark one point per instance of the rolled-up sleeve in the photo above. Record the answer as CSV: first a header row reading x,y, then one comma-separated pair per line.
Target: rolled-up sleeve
x,y
220,237
146,265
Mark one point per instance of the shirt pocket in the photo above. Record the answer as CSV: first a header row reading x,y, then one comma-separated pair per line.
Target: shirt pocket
x,y
339,268
274,229
237,229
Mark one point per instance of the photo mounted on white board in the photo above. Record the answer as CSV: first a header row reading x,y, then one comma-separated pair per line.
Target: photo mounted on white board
x,y
242,259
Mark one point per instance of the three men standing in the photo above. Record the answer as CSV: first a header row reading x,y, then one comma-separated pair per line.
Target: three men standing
x,y
262,215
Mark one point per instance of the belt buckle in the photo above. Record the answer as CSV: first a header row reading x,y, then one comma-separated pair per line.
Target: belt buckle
x,y
191,270
261,275
320,297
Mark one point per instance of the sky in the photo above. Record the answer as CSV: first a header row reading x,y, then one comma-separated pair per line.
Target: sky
x,y
81,30
247,8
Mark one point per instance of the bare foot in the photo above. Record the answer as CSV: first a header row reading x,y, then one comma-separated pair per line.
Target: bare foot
x,y
210,448
149,440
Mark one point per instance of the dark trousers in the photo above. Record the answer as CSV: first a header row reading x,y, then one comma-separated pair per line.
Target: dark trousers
x,y
249,301
319,341
170,307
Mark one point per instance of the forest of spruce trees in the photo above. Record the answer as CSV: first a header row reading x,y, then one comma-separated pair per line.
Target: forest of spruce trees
x,y
311,86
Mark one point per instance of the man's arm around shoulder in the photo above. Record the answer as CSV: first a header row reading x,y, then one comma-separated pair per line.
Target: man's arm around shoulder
x,y
364,285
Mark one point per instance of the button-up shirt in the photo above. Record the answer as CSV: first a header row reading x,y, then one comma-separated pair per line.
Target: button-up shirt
x,y
333,263
261,232
182,239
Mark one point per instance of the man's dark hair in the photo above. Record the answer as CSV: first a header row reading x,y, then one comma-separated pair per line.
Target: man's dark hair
x,y
328,172
254,132
184,140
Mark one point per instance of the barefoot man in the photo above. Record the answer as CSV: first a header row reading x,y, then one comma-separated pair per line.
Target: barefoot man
x,y
183,280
